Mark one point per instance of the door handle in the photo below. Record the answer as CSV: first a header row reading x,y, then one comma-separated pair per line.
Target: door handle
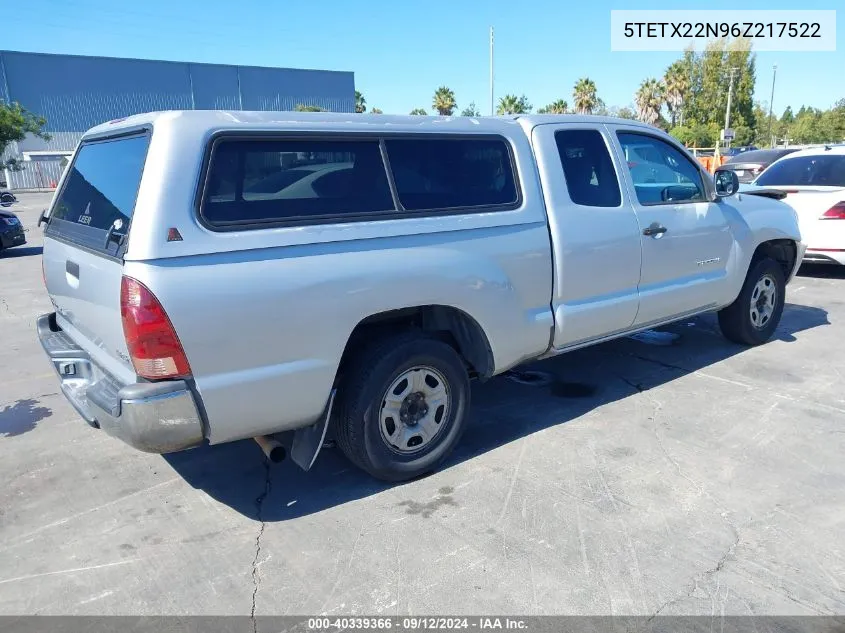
x,y
655,230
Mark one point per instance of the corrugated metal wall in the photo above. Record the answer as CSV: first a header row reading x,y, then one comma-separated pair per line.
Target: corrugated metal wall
x,y
76,93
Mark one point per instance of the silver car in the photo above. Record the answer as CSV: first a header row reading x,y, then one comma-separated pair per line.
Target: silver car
x,y
228,275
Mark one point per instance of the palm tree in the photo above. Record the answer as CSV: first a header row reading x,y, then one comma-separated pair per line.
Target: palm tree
x,y
584,95
557,107
677,87
360,103
649,98
419,111
511,104
444,101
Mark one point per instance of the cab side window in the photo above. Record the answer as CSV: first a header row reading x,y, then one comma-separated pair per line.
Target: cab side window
x,y
589,172
660,172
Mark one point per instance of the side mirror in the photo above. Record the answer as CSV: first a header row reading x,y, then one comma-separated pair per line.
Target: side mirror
x,y
43,217
727,184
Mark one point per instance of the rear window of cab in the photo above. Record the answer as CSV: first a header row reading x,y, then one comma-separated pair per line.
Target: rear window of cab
x,y
302,180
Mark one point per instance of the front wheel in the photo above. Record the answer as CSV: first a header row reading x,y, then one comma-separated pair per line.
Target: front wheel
x,y
754,316
402,406
6,199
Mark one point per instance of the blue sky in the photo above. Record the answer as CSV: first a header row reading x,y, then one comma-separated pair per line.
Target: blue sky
x,y
401,51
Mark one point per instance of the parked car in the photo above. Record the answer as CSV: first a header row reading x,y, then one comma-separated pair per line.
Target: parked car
x,y
7,199
749,165
227,275
814,183
11,231
736,151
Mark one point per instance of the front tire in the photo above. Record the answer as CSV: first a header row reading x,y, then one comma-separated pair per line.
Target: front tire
x,y
755,314
402,406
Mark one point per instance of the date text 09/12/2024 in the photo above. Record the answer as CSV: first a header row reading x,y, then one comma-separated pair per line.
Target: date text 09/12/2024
x,y
416,623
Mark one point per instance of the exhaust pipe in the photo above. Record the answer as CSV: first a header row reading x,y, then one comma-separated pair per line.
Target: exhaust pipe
x,y
273,450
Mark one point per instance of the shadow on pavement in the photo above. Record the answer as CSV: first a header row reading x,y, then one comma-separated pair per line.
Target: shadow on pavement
x,y
503,410
20,251
21,417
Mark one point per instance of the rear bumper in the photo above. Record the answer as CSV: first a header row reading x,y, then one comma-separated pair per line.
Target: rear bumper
x,y
824,256
155,417
12,238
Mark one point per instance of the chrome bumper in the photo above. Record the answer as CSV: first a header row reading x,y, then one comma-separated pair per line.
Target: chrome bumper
x,y
155,417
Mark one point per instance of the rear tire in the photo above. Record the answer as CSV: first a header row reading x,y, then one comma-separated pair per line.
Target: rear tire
x,y
756,313
402,406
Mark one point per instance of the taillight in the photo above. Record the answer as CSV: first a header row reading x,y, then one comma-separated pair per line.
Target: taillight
x,y
152,342
836,212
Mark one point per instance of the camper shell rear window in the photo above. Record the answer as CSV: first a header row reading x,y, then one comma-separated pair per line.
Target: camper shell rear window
x,y
99,192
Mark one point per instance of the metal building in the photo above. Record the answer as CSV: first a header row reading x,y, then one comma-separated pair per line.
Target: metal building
x,y
75,93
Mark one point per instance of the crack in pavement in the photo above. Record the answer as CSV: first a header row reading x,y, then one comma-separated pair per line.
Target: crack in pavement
x,y
259,505
662,364
707,573
633,385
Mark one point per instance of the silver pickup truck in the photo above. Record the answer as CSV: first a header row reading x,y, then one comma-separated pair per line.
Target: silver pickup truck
x,y
224,275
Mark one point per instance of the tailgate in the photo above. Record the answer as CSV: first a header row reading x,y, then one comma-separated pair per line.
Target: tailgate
x,y
84,243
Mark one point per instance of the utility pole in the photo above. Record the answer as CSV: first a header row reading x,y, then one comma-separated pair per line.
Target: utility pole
x,y
772,103
492,102
733,72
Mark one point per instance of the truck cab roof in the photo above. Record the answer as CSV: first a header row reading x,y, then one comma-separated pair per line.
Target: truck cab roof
x,y
219,119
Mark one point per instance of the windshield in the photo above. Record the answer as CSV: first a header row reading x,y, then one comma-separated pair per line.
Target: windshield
x,y
823,170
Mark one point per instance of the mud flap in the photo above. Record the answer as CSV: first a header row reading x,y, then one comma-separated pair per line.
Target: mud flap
x,y
308,441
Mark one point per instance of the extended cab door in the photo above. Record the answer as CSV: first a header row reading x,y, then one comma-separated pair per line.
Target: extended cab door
x,y
594,232
686,239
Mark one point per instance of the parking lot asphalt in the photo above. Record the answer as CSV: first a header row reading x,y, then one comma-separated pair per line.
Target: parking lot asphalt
x,y
693,478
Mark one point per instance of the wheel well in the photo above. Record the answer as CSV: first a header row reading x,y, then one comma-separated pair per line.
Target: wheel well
x,y
782,251
449,324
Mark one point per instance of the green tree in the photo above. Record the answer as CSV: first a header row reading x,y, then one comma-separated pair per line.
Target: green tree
x,y
836,121
649,99
708,76
15,123
444,101
419,112
601,107
376,111
787,116
697,134
584,96
556,107
360,103
739,56
676,83
301,107
625,113
471,110
511,104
